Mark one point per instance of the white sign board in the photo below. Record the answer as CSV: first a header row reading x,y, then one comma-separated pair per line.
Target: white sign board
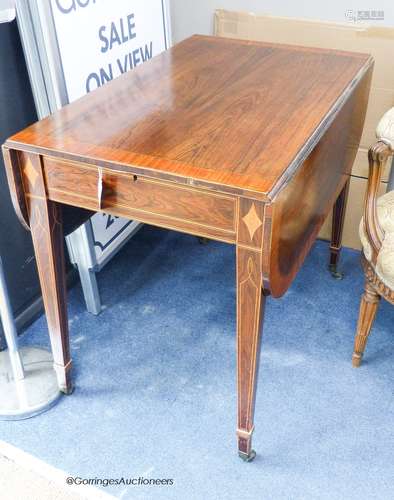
x,y
101,39
98,40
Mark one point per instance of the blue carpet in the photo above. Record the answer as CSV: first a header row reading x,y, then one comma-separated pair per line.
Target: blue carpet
x,y
155,382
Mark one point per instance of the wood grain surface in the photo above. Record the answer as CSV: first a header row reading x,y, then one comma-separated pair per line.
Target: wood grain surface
x,y
149,200
302,206
239,114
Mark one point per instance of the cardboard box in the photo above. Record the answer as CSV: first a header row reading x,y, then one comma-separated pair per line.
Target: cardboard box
x,y
380,100
378,41
354,213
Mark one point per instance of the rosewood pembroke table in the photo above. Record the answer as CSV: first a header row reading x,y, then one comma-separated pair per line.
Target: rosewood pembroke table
x,y
247,143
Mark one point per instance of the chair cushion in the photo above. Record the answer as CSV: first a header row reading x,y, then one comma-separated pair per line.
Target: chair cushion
x,y
384,267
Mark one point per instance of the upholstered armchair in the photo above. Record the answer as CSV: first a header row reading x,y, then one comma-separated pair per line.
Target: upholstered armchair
x,y
377,237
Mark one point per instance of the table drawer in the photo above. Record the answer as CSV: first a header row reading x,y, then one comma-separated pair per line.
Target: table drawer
x,y
158,202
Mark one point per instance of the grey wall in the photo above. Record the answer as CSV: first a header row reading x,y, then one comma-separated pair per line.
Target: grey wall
x,y
17,110
196,16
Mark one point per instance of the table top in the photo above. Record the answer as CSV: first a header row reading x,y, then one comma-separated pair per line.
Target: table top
x,y
228,113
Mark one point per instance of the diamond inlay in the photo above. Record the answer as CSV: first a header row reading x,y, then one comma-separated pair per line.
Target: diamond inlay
x,y
252,221
30,173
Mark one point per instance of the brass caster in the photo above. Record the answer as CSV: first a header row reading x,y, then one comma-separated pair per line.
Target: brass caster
x,y
247,458
202,240
335,273
356,360
68,390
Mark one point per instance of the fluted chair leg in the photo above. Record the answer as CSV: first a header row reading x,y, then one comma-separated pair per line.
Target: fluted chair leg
x,y
368,308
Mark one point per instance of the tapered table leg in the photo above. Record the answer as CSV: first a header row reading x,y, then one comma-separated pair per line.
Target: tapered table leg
x,y
47,233
338,219
250,304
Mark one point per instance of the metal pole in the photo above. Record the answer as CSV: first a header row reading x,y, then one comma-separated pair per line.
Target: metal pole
x,y
9,328
29,388
80,244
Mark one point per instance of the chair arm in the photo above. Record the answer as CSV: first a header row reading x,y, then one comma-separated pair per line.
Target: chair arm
x,y
377,156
